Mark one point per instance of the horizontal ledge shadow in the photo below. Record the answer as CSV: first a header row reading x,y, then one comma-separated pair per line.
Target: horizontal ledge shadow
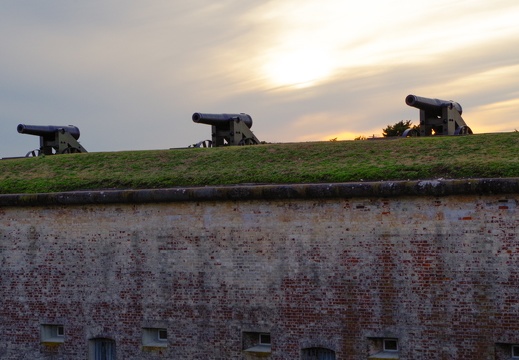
x,y
436,188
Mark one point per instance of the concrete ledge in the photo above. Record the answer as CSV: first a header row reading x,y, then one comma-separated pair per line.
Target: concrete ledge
x,y
434,188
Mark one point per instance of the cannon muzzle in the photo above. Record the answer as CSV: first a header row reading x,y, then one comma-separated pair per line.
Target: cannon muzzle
x,y
432,105
46,131
221,119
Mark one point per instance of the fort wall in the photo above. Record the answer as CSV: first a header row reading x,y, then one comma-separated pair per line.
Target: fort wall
x,y
331,270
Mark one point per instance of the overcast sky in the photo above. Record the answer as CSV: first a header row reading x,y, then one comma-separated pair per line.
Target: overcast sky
x,y
131,73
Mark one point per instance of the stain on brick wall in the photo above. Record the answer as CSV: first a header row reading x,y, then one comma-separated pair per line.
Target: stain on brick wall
x,y
438,273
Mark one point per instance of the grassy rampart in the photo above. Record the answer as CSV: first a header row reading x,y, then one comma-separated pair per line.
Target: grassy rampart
x,y
474,156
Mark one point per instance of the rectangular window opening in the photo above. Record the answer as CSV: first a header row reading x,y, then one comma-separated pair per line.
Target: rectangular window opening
x,y
264,339
383,348
256,343
52,333
390,345
162,334
515,351
154,337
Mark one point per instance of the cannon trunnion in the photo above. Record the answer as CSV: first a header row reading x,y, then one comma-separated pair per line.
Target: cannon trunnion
x,y
438,117
53,139
227,129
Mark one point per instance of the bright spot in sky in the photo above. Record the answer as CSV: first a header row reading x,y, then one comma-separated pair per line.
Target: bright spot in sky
x,y
298,68
311,41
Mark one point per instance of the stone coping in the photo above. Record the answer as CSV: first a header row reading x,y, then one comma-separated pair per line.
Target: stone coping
x,y
383,189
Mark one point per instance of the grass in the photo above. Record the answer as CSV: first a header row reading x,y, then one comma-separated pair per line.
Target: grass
x,y
475,156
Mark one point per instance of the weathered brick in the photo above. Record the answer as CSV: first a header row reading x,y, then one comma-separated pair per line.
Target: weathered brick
x,y
438,273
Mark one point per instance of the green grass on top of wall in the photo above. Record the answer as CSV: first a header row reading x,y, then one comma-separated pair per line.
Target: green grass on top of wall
x,y
474,156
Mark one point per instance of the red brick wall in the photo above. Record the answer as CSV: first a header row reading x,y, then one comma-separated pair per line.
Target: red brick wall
x,y
440,274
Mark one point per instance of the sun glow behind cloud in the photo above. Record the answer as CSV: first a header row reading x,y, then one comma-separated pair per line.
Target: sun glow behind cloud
x,y
310,41
300,67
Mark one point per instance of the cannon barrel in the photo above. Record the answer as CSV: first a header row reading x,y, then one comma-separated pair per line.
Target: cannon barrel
x,y
219,119
44,131
435,105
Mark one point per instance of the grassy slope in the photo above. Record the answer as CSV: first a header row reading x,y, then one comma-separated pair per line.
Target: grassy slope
x,y
485,155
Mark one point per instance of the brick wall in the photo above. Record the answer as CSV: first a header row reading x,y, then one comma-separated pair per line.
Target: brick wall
x,y
438,273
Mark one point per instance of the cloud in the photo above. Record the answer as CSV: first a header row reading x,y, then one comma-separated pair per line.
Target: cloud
x,y
131,74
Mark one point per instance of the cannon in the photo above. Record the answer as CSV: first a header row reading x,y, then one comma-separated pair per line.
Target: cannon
x,y
53,139
227,129
438,117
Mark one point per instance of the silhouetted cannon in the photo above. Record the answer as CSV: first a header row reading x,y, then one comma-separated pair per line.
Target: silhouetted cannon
x,y
218,119
53,139
39,130
227,129
431,104
438,117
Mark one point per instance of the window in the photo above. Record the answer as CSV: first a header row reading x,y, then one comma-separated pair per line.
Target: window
x,y
101,349
506,351
155,337
51,333
256,342
162,335
317,353
390,345
264,339
383,348
515,351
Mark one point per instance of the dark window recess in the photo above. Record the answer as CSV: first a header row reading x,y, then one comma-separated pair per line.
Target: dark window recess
x,y
154,337
317,353
264,339
52,333
256,342
390,345
515,351
162,335
102,349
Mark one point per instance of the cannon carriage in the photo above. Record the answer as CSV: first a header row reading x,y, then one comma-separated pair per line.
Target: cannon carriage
x,y
437,117
227,129
53,139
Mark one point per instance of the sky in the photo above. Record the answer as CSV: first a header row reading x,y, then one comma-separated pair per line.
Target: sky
x,y
130,73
